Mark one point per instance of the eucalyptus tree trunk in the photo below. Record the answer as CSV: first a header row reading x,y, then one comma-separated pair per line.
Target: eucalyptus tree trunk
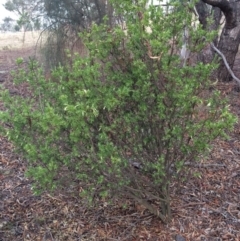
x,y
229,39
229,44
207,55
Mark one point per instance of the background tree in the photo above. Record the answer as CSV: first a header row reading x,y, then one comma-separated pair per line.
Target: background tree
x,y
227,12
7,24
81,14
66,18
29,12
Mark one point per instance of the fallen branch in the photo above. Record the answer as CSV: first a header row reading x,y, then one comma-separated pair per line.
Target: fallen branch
x,y
205,165
225,62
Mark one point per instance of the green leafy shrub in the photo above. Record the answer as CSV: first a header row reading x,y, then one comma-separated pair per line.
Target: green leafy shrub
x,y
124,120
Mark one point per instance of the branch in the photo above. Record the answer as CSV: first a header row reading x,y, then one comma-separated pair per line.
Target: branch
x,y
150,207
227,10
204,165
225,62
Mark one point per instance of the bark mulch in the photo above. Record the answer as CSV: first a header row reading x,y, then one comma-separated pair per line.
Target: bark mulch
x,y
206,209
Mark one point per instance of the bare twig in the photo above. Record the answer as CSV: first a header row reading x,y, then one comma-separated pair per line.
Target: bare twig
x,y
225,62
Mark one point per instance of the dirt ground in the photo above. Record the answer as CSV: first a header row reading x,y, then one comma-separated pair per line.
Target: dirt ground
x,y
206,209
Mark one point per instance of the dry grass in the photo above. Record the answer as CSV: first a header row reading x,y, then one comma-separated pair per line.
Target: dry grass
x,y
13,41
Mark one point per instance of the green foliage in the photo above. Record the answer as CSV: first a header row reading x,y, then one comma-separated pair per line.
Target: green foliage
x,y
29,12
125,119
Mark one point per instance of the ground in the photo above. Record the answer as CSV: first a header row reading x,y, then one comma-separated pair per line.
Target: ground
x,y
206,209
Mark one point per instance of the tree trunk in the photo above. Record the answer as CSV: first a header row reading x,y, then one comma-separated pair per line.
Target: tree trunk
x,y
228,45
230,37
207,55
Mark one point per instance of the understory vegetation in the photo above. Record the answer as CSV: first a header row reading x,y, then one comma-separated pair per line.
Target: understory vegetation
x,y
124,120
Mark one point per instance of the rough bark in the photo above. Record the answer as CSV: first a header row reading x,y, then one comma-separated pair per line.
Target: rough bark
x,y
202,11
229,44
230,37
227,9
207,55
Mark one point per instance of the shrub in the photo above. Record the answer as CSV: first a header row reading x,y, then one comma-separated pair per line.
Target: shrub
x,y
124,120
